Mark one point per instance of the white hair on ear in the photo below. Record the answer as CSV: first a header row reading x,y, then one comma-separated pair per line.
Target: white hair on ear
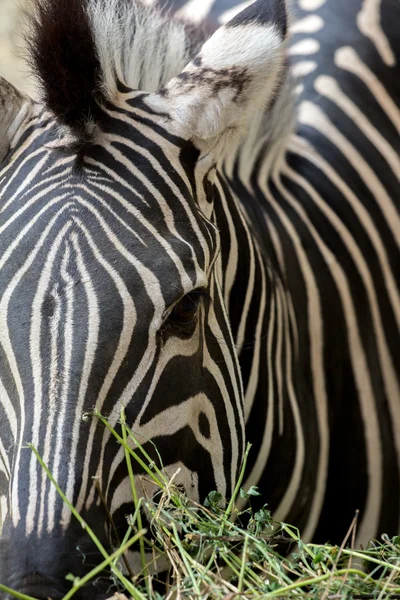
x,y
237,93
233,77
137,44
251,46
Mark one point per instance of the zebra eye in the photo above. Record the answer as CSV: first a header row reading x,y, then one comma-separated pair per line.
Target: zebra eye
x,y
185,311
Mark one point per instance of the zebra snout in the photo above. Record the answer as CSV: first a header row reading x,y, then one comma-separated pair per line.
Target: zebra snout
x,y
38,586
41,588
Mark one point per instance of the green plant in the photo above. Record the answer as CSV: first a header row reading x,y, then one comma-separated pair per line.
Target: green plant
x,y
211,556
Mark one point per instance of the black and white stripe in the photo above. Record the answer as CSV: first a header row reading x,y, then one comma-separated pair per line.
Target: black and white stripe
x,y
266,195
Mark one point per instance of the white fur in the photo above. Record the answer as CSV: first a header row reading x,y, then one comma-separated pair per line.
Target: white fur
x,y
257,51
137,44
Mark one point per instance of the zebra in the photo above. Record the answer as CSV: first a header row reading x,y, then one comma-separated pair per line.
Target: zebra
x,y
201,230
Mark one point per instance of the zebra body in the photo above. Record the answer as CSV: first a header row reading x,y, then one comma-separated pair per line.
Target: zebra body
x,y
206,238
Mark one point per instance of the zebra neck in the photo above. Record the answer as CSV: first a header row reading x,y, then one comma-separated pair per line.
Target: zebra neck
x,y
264,325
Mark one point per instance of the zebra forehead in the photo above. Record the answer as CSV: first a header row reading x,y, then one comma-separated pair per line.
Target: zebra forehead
x,y
142,228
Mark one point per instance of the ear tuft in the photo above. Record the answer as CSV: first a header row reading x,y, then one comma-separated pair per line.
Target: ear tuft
x,y
64,57
15,107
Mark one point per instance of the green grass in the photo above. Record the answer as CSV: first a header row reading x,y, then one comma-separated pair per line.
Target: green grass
x,y
212,557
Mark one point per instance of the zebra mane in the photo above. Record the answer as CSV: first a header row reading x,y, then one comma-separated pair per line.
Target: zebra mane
x,y
82,50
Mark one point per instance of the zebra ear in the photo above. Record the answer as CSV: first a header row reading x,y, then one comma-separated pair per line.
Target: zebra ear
x,y
235,74
14,108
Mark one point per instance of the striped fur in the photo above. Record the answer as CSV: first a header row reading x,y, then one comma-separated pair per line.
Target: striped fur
x,y
202,182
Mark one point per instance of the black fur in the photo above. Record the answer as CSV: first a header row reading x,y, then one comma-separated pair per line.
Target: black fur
x,y
263,12
63,55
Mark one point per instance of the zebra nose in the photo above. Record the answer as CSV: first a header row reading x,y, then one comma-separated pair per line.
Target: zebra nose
x,y
39,587
40,593
44,591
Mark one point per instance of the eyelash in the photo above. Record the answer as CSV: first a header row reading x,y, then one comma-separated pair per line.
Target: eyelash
x,y
184,316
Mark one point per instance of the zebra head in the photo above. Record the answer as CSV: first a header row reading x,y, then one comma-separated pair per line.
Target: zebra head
x,y
117,245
